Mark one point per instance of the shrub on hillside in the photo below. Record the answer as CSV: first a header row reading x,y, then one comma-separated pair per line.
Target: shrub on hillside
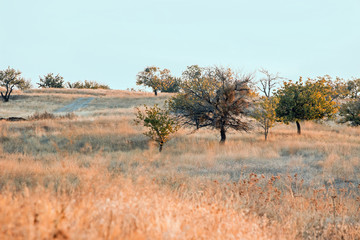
x,y
25,85
51,81
47,115
87,85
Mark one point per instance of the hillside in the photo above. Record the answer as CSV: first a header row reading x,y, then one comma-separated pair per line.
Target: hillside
x,y
96,176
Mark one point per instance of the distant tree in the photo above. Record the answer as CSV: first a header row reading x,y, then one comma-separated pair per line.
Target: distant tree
x,y
264,110
9,79
87,85
150,77
350,112
159,123
157,79
312,100
213,97
51,81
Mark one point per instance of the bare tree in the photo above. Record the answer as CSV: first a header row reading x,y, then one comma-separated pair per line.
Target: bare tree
x,y
268,83
213,97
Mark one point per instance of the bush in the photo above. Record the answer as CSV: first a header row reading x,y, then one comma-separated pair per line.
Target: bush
x,y
25,85
87,85
51,81
46,115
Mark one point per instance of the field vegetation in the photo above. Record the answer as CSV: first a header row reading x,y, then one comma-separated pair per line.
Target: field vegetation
x,y
96,176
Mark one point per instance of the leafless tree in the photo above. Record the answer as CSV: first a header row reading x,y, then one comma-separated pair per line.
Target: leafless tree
x,y
213,97
264,111
268,83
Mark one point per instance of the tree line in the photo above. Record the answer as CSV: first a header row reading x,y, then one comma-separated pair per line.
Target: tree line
x,y
219,98
11,79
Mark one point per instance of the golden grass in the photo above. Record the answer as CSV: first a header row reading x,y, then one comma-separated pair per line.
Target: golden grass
x,y
97,177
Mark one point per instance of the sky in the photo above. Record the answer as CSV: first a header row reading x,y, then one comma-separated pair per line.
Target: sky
x,y
110,41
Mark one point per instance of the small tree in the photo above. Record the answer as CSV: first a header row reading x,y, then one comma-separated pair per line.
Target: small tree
x,y
9,79
213,97
300,101
51,81
264,111
159,123
351,112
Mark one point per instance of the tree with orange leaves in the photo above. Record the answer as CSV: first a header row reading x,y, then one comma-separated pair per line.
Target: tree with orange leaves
x,y
309,100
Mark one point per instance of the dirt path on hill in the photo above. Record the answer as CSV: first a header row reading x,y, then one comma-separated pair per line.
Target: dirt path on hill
x,y
75,105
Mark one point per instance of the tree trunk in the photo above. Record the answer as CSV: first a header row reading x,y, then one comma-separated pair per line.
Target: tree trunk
x,y
160,146
298,127
7,94
266,132
5,97
155,91
197,122
223,134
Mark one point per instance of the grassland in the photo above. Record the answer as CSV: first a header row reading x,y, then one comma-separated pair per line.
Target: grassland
x,y
97,177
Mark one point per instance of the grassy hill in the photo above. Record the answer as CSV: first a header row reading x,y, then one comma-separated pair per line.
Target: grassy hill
x,y
96,176
105,102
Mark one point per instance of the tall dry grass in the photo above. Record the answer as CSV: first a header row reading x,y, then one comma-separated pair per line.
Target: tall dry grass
x,y
118,208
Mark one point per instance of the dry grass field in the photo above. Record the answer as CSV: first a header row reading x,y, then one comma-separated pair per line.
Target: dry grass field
x,y
96,176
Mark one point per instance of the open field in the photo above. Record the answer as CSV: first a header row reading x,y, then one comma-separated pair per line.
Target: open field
x,y
97,177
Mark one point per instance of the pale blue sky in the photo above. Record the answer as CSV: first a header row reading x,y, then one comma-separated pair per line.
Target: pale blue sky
x,y
111,41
